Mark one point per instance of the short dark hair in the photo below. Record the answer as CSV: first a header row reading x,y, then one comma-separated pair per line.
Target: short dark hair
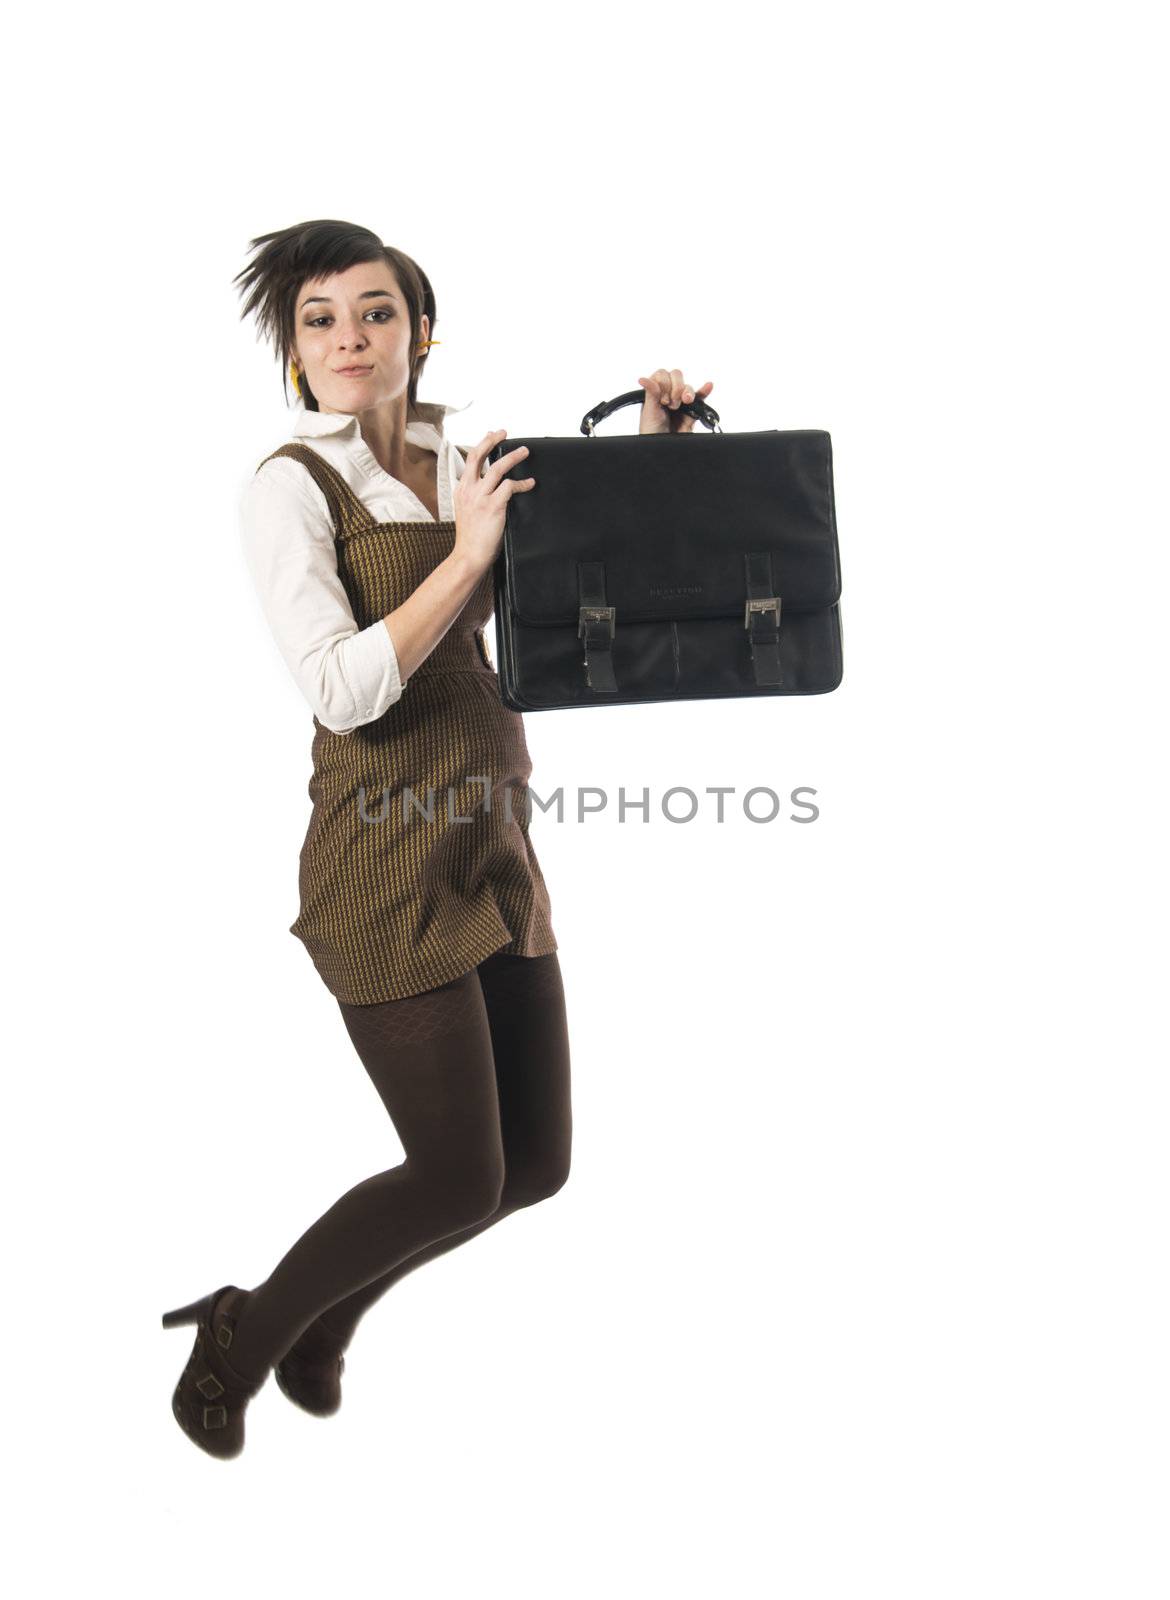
x,y
288,259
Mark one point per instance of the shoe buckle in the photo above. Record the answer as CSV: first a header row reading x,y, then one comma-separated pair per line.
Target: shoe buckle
x,y
210,1387
224,1335
215,1416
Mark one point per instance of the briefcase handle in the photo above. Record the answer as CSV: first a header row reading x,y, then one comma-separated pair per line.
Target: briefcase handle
x,y
697,408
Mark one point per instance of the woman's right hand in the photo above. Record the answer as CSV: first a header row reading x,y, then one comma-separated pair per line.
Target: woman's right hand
x,y
481,500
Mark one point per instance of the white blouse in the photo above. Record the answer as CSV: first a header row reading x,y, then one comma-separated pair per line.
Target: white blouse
x,y
348,675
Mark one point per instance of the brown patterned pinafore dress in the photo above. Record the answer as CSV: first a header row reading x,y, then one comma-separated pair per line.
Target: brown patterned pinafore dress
x,y
417,863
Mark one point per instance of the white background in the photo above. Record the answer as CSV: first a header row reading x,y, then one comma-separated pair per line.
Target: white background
x,y
858,1286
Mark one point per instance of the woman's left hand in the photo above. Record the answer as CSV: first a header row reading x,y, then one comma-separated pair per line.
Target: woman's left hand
x,y
665,393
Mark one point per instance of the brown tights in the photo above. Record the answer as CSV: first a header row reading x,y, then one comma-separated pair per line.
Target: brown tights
x,y
475,1078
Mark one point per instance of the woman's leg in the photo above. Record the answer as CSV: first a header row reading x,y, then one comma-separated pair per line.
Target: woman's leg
x,y
430,1058
525,1001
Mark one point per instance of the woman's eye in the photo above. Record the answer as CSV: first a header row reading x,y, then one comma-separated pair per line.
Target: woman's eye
x,y
380,311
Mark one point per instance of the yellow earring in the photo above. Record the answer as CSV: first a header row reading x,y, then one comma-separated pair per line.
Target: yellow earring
x,y
426,344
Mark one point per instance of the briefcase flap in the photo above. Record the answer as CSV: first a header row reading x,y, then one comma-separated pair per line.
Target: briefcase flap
x,y
671,517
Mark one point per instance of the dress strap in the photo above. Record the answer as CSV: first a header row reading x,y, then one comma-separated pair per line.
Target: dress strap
x,y
350,516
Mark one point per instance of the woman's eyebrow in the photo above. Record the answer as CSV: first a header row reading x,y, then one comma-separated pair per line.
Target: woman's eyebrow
x,y
324,300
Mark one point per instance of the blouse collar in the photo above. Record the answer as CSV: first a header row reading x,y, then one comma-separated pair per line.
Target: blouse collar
x,y
428,427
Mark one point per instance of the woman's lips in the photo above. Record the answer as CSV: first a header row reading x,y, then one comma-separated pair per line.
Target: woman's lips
x,y
353,372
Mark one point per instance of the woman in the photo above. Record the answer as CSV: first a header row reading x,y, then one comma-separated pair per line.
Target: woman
x,y
371,540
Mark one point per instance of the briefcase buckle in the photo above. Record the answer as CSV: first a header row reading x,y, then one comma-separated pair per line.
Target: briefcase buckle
x,y
770,603
595,614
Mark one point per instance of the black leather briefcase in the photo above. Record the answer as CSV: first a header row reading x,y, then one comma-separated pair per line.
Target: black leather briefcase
x,y
656,567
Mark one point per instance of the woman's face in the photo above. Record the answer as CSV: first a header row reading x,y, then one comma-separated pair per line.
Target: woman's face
x,y
357,318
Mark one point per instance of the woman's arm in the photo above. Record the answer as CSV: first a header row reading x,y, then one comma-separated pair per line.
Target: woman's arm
x,y
349,676
417,625
352,676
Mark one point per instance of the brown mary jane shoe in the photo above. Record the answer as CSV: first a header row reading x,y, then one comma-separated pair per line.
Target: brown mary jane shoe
x,y
210,1398
310,1370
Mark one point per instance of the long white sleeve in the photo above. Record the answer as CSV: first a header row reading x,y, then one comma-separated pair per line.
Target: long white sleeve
x,y
348,675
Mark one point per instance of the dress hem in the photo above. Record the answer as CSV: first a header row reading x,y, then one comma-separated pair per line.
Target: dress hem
x,y
460,967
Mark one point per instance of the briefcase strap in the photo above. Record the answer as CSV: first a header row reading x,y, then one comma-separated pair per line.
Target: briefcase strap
x,y
595,624
761,618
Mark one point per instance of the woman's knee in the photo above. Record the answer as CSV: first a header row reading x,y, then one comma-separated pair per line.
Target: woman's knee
x,y
462,1193
529,1185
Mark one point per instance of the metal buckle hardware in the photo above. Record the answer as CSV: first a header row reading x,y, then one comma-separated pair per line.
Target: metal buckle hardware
x,y
771,603
595,614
